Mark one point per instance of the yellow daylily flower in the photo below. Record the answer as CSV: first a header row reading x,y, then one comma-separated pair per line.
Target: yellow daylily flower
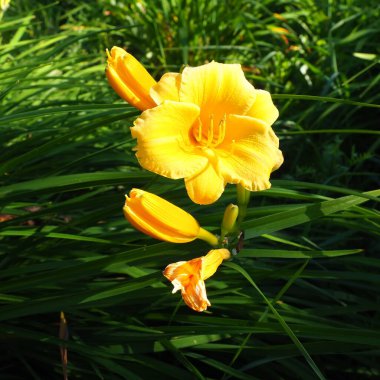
x,y
189,277
208,125
163,220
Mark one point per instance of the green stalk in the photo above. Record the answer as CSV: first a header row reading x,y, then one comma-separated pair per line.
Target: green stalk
x,y
243,196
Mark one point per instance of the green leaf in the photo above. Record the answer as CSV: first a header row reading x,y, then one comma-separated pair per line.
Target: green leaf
x,y
282,322
324,99
300,215
71,182
285,254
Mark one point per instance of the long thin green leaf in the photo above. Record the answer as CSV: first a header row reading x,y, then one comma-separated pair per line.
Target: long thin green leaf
x,y
300,215
285,326
71,182
324,99
286,254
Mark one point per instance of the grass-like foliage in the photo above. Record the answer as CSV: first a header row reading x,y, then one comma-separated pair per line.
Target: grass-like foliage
x,y
300,300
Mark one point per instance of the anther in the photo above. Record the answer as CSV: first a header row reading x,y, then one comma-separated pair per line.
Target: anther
x,y
210,135
221,130
198,131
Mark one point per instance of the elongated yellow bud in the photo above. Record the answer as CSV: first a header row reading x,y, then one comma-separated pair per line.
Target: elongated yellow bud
x,y
129,79
163,220
229,219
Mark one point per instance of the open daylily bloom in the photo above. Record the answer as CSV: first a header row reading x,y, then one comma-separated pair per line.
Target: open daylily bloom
x,y
189,277
208,125
163,220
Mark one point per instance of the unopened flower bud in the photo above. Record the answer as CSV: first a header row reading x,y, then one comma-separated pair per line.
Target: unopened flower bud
x,y
129,79
163,220
229,219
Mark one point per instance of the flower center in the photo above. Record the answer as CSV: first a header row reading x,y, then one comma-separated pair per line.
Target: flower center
x,y
209,135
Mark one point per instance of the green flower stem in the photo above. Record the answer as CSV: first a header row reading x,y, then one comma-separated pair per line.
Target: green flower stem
x,y
208,237
243,196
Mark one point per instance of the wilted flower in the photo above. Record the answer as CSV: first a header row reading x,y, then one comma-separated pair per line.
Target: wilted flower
x,y
189,277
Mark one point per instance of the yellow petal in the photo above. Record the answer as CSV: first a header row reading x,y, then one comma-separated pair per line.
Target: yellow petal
x,y
205,187
129,79
218,89
212,261
252,156
185,276
167,88
263,108
279,156
242,127
159,218
163,145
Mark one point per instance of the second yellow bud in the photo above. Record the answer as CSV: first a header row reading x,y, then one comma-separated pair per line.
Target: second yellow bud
x,y
163,220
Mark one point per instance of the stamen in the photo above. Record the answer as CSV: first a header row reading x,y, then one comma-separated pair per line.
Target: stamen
x,y
221,130
198,131
213,135
210,135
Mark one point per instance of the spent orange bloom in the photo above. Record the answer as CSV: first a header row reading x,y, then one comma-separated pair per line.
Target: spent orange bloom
x,y
190,276
208,125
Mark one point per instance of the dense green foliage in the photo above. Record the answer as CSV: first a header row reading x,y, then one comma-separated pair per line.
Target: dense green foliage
x,y
300,301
